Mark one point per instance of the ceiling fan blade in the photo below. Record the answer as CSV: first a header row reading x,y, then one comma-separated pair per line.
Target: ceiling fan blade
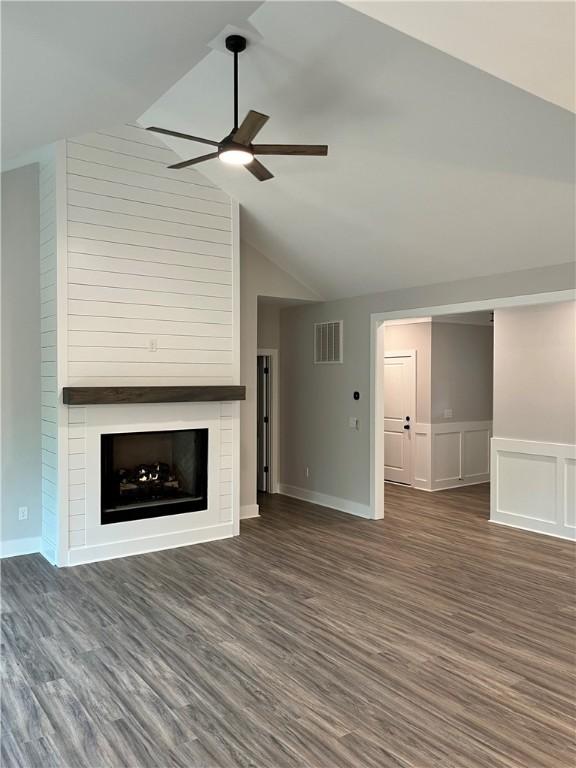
x,y
194,161
260,171
182,135
290,149
250,126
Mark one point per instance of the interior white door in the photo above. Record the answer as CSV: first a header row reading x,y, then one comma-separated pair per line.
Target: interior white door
x,y
399,401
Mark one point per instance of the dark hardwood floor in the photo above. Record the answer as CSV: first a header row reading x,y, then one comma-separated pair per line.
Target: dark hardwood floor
x,y
430,639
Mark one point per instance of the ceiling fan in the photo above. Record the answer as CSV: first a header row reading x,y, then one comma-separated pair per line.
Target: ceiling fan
x,y
236,148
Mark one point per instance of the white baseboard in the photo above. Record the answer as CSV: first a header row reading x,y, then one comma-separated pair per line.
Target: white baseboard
x,y
16,547
446,485
97,552
530,530
324,500
534,486
248,511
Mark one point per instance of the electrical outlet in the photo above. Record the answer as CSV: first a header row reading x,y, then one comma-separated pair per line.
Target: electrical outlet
x,y
22,513
448,413
153,345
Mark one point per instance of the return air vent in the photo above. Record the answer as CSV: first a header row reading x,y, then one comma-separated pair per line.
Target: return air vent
x,y
328,342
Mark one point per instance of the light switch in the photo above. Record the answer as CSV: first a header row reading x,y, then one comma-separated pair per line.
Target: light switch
x,y
353,423
448,413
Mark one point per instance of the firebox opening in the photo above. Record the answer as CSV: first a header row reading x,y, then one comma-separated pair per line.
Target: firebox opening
x,y
152,474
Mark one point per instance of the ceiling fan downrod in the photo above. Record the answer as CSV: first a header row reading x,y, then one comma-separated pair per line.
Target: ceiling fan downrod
x,y
235,44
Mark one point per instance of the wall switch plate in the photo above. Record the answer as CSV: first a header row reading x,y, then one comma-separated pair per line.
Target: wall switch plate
x,y
22,513
448,413
353,423
153,345
307,471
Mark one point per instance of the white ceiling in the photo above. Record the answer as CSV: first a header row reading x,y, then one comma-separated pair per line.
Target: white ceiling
x,y
72,67
437,171
529,44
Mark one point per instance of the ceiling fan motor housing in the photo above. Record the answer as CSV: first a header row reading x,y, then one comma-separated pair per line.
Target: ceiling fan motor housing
x,y
236,43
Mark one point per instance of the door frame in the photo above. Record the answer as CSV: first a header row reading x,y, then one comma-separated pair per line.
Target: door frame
x,y
377,320
274,425
410,354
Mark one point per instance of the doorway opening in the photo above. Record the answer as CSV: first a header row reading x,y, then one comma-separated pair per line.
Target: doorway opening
x,y
438,383
267,420
399,415
505,492
263,441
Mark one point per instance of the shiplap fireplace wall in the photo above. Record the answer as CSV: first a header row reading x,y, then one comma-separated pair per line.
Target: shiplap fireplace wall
x,y
140,286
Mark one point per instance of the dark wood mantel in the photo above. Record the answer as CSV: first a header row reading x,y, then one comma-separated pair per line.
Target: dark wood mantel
x,y
121,395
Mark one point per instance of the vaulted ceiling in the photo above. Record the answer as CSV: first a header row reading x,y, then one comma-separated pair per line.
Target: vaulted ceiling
x,y
525,42
438,170
72,67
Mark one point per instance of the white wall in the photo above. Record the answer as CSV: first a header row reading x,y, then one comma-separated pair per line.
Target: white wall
x,y
462,372
268,325
149,262
533,450
21,469
140,286
258,277
534,373
317,400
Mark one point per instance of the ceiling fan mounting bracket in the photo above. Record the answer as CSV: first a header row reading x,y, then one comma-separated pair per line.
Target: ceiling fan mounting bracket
x,y
236,43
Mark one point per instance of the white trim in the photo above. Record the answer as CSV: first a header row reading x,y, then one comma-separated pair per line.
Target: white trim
x,y
61,182
17,547
110,551
236,350
376,351
425,455
530,530
422,456
323,500
248,511
236,511
540,502
274,416
409,321
235,211
527,300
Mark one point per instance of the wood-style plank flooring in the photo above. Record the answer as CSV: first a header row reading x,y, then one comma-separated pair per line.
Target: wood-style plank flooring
x,y
431,639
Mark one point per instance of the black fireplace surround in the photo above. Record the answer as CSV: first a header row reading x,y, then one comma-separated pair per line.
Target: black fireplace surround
x,y
153,474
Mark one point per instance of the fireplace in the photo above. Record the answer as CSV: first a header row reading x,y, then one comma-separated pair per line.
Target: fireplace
x,y
153,474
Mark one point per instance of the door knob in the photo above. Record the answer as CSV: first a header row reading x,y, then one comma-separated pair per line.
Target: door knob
x,y
406,426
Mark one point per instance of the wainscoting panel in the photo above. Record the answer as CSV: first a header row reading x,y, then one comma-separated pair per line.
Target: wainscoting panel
x,y
451,454
534,486
421,461
460,454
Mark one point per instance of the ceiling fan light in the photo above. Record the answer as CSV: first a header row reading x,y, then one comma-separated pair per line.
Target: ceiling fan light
x,y
236,156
